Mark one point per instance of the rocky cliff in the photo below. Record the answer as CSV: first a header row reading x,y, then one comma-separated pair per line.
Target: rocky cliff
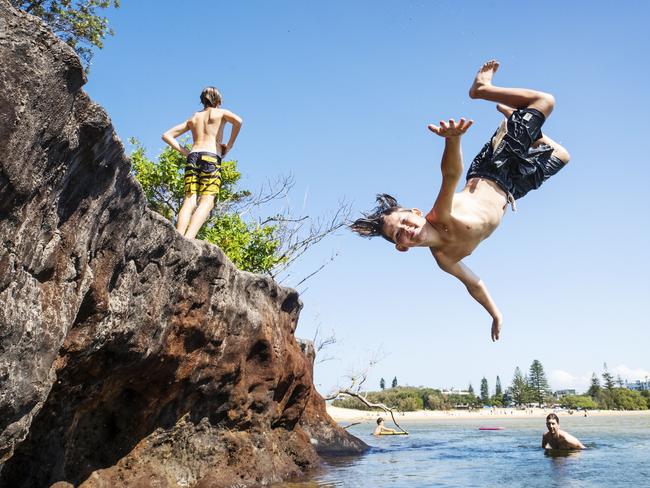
x,y
129,356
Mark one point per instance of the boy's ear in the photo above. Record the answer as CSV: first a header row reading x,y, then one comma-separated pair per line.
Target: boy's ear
x,y
401,248
417,212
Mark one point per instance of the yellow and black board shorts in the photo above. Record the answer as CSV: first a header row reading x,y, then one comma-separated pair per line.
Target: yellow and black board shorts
x,y
202,173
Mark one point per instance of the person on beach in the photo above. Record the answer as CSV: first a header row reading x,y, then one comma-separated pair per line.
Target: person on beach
x,y
517,159
556,438
203,166
380,429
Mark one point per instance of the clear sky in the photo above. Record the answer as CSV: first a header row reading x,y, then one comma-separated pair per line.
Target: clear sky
x,y
339,93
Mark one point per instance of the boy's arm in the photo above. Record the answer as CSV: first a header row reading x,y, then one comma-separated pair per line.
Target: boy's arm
x,y
572,442
170,137
451,166
236,122
475,287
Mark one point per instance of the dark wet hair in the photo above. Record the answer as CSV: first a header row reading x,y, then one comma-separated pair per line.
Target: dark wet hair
x,y
372,224
210,97
553,416
379,420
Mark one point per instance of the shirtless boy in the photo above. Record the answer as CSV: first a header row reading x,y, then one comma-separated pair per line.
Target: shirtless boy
x,y
381,430
556,438
517,159
203,168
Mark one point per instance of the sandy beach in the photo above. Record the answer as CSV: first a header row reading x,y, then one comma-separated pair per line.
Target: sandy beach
x,y
352,415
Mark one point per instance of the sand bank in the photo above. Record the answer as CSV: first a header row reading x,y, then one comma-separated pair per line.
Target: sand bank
x,y
351,415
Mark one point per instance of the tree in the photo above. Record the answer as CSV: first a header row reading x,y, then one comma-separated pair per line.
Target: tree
x,y
578,401
382,384
394,383
498,399
594,388
625,399
485,394
470,391
76,22
519,390
608,378
258,244
537,382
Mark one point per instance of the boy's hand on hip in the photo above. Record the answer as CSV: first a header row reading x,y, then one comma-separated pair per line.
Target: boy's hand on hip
x,y
451,128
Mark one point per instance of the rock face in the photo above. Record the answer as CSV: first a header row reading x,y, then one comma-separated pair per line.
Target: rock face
x,y
129,356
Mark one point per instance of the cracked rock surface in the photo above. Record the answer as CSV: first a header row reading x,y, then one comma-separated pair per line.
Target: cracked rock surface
x,y
129,356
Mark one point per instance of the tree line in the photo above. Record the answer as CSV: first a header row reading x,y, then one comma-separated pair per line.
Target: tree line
x,y
525,390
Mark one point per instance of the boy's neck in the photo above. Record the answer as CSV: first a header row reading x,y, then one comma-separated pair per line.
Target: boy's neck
x,y
432,233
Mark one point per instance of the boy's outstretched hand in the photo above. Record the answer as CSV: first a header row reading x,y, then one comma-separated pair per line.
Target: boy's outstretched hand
x,y
451,128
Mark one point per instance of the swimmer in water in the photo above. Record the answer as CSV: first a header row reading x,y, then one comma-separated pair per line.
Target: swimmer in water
x,y
556,438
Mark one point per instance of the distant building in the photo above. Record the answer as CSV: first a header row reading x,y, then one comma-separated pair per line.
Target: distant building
x,y
638,385
454,391
561,393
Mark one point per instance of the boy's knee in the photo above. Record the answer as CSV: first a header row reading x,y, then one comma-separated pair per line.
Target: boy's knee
x,y
206,203
548,102
562,154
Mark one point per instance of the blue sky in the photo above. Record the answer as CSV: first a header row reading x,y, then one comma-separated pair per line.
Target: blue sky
x,y
338,94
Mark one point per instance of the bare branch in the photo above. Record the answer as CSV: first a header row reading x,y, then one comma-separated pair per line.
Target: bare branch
x,y
363,400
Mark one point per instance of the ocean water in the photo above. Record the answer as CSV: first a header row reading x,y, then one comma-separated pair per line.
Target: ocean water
x,y
454,453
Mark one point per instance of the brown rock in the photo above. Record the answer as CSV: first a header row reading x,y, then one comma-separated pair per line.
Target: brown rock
x,y
129,356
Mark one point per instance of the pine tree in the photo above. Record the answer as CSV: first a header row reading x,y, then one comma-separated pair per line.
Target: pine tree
x,y
519,388
497,389
394,383
608,378
538,383
485,394
382,384
594,388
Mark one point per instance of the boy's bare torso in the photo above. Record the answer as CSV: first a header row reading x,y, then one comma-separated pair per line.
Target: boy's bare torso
x,y
476,212
207,130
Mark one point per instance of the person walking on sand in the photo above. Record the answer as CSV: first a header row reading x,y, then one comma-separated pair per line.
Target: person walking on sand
x,y
517,159
556,438
203,164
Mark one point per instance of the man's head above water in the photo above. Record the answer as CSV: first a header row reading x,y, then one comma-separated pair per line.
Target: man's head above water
x,y
400,225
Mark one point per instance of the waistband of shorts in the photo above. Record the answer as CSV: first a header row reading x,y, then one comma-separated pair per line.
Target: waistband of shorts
x,y
509,197
205,153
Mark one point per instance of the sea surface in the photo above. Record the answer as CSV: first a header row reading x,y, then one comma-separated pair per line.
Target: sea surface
x,y
454,453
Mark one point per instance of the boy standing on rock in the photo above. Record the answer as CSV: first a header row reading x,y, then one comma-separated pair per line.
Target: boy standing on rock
x,y
203,168
517,159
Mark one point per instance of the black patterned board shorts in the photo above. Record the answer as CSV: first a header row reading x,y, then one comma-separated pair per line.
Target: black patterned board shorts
x,y
202,173
514,165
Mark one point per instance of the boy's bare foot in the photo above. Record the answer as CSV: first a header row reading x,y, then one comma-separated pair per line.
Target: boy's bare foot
x,y
505,110
483,77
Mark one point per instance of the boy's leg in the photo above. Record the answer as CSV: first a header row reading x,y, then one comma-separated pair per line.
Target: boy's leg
x,y
558,150
185,213
514,97
200,215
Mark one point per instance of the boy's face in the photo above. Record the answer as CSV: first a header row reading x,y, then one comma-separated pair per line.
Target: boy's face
x,y
552,426
405,228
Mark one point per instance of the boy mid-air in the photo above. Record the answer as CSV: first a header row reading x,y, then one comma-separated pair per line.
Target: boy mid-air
x,y
203,165
517,159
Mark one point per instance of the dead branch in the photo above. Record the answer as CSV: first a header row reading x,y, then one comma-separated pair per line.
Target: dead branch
x,y
368,404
